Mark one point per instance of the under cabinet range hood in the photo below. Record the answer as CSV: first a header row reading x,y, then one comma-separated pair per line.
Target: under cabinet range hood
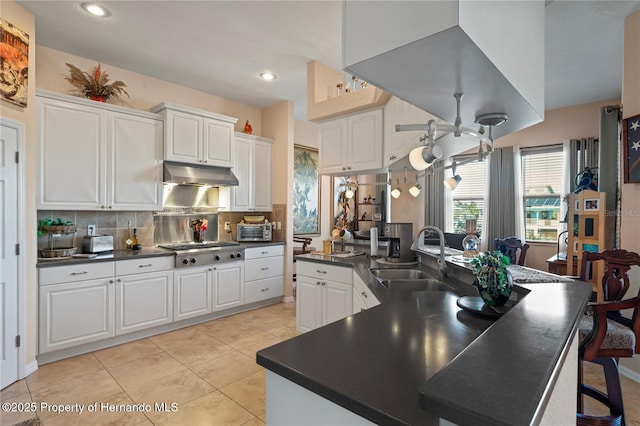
x,y
491,51
194,174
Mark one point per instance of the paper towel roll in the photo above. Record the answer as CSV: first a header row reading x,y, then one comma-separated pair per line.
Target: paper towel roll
x,y
374,241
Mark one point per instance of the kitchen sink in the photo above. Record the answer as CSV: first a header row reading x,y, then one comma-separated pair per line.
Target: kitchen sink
x,y
409,280
399,274
428,284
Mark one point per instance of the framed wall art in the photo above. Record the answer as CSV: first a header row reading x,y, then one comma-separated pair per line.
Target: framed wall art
x,y
631,142
14,63
306,191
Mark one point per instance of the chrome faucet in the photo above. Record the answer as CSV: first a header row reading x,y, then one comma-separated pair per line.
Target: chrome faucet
x,y
444,269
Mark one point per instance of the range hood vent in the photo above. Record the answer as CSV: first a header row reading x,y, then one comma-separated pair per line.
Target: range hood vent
x,y
194,174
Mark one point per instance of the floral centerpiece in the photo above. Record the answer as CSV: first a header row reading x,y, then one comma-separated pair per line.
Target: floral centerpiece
x,y
493,279
95,85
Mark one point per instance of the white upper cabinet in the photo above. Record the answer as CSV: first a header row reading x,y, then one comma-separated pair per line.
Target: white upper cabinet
x,y
252,167
352,144
96,156
398,144
196,136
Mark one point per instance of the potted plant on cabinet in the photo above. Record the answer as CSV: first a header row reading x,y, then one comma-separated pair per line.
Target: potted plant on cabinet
x,y
96,85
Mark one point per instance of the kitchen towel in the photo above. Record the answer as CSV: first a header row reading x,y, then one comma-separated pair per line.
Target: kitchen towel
x,y
374,241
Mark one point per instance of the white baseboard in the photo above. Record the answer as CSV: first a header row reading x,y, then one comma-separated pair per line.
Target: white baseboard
x,y
288,299
30,368
629,373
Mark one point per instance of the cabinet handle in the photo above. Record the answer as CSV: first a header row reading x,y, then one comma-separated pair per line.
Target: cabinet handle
x,y
79,273
344,168
265,289
119,280
323,283
205,161
264,252
264,268
348,167
317,282
146,265
364,294
110,281
321,272
102,207
110,207
393,157
211,269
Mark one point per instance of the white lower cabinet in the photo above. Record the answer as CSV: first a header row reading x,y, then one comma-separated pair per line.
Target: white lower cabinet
x,y
263,273
73,311
363,297
143,301
228,289
192,292
324,294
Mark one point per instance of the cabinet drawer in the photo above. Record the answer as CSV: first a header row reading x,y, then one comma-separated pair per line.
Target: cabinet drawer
x,y
255,291
268,267
361,290
324,271
266,251
73,273
146,264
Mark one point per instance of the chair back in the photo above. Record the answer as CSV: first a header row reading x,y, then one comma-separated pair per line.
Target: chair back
x,y
615,278
510,247
305,245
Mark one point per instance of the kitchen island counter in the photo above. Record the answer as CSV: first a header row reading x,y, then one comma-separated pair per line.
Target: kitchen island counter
x,y
417,357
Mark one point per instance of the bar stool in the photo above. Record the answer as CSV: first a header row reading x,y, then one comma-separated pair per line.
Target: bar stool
x,y
606,336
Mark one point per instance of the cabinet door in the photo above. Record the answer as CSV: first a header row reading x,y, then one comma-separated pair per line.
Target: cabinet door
x,y
183,137
365,141
262,176
241,199
143,301
72,148
191,295
333,142
337,301
308,303
228,288
134,162
218,143
398,144
267,288
72,314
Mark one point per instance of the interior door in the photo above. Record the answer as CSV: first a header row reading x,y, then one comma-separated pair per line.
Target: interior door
x,y
9,225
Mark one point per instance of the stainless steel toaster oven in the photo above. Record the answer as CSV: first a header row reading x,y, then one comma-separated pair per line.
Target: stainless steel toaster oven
x,y
254,232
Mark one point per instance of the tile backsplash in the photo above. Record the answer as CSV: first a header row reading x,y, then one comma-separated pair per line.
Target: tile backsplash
x,y
116,223
107,223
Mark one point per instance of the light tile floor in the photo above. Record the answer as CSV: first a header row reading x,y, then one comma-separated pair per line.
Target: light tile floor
x,y
208,370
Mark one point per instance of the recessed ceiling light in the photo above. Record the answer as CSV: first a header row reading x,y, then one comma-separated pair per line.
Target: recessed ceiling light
x,y
95,9
268,76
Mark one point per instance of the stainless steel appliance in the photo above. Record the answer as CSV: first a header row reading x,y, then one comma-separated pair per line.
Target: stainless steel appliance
x,y
97,243
254,232
205,253
400,237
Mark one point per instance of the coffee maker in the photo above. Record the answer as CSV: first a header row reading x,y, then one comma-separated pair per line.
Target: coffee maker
x,y
400,237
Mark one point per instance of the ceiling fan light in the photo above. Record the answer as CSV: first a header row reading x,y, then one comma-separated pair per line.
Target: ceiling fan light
x,y
415,190
349,193
423,156
396,192
452,182
94,9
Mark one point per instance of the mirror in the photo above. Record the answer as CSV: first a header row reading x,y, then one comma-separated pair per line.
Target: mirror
x,y
360,203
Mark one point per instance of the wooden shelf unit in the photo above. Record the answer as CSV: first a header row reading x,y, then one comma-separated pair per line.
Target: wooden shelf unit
x,y
586,225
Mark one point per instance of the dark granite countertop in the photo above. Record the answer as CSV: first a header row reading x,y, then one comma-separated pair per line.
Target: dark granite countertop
x,y
132,254
417,357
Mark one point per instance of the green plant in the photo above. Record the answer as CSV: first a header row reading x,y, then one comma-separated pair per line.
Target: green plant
x,y
44,223
492,277
95,84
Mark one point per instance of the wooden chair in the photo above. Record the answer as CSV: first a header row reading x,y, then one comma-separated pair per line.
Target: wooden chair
x,y
305,246
605,335
510,246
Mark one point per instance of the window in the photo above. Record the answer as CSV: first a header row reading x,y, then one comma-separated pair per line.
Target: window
x,y
468,197
542,170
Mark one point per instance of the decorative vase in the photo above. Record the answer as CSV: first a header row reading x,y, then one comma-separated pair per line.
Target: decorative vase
x,y
98,98
493,288
470,245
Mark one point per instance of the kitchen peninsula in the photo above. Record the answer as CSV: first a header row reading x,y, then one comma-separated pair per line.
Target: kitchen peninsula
x,y
419,359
